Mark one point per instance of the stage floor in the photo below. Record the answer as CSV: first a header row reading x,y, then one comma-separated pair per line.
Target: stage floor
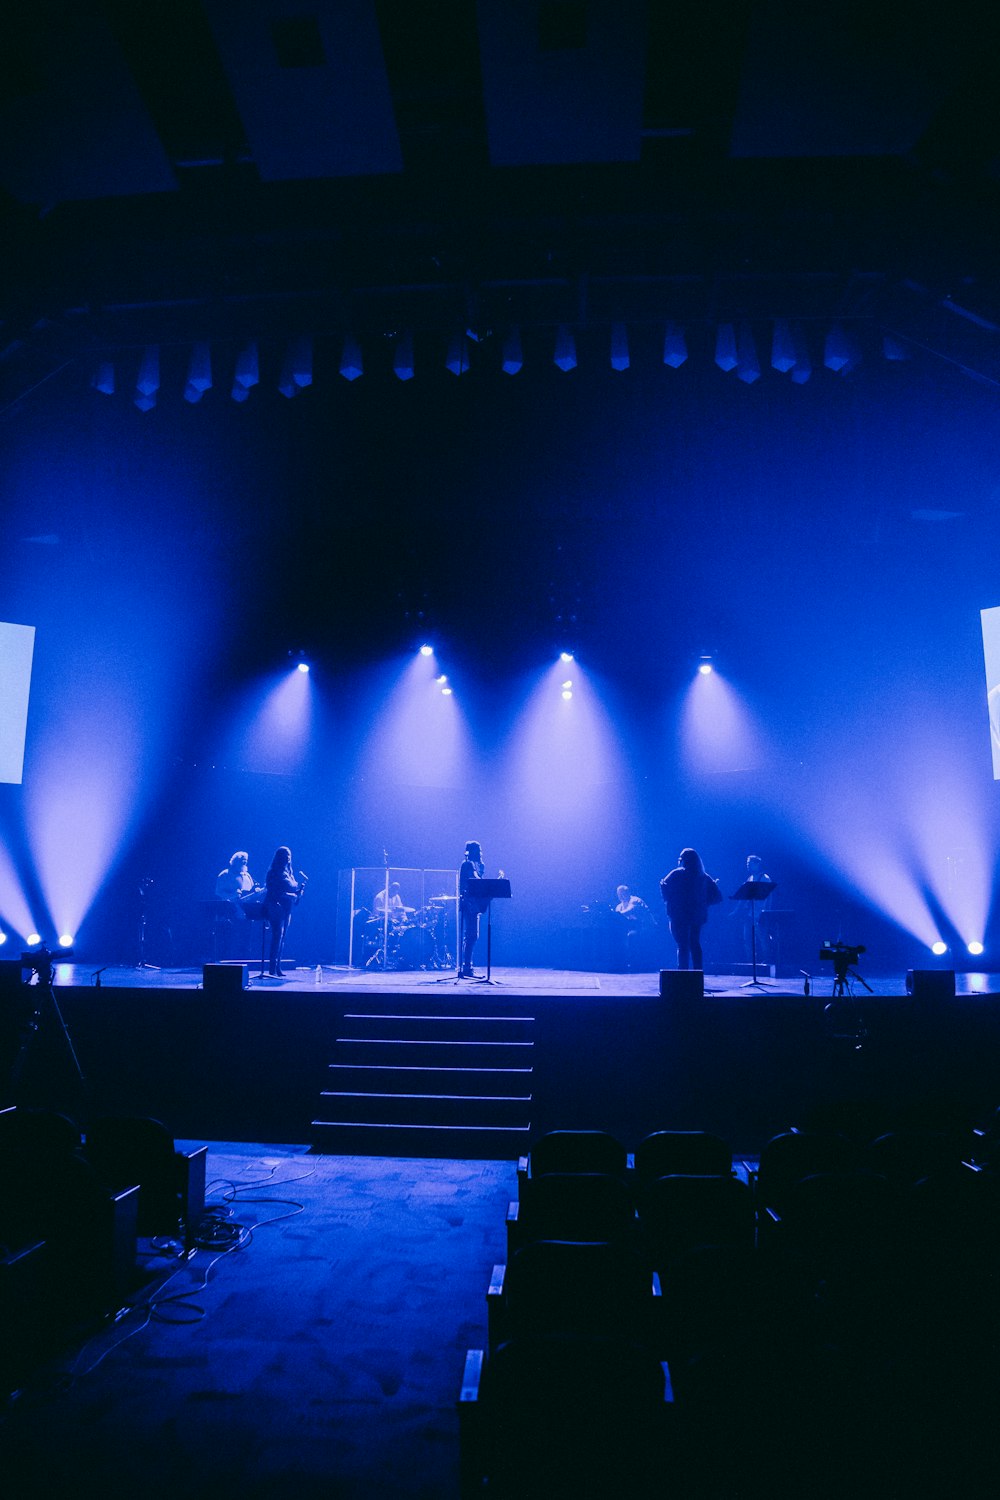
x,y
513,982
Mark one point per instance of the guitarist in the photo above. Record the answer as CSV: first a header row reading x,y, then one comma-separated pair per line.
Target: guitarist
x,y
283,892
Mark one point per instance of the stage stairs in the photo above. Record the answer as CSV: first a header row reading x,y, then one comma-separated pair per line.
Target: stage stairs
x,y
426,1078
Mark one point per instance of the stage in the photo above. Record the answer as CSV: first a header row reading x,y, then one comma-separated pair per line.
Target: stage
x,y
337,979
417,1063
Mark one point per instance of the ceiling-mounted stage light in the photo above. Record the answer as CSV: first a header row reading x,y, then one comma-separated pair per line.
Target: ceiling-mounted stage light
x,y
802,369
619,347
427,651
565,351
300,355
748,368
200,369
782,347
975,948
894,349
247,372
402,357
103,378
148,382
675,350
726,356
457,360
565,656
840,351
351,361
512,357
939,949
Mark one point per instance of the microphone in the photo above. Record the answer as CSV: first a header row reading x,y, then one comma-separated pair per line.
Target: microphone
x,y
96,976
303,878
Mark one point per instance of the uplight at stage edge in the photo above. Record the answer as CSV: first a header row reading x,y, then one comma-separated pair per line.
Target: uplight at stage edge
x,y
17,646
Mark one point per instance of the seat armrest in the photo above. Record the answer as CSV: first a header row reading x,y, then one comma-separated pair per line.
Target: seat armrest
x,y
191,1167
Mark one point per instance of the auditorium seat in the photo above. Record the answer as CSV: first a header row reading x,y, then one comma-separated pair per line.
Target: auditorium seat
x,y
575,1151
586,1417
569,1206
38,1130
678,1213
905,1156
786,1158
135,1149
682,1153
565,1287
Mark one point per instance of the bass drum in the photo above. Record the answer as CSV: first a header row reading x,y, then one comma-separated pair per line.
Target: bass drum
x,y
416,948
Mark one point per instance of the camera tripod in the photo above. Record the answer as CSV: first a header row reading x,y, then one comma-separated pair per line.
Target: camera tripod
x,y
42,964
842,973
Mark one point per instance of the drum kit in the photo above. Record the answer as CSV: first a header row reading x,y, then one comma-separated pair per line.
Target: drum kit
x,y
414,938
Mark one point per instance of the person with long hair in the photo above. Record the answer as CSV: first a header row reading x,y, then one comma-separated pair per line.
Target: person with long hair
x,y
471,871
688,891
282,895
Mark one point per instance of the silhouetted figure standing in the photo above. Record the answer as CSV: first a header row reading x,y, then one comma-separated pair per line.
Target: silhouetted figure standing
x,y
688,891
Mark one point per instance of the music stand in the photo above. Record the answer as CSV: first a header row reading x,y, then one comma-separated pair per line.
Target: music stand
x,y
254,908
484,893
754,890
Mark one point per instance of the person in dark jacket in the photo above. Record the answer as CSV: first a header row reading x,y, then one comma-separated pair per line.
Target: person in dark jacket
x,y
688,891
283,892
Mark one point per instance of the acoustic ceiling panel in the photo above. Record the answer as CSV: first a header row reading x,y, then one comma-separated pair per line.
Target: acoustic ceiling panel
x,y
309,80
563,80
846,78
72,122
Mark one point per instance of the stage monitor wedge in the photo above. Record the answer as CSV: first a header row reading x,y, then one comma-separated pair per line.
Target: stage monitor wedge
x,y
224,981
683,986
931,984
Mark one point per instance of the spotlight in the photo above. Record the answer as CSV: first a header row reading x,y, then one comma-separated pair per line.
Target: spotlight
x,y
33,939
446,691
705,666
565,656
303,666
567,694
441,680
568,683
427,651
939,948
66,941
975,949
3,938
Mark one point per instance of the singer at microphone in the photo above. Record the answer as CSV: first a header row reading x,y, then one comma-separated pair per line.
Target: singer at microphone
x,y
283,893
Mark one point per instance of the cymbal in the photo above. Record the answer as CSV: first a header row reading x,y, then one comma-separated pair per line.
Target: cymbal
x,y
436,900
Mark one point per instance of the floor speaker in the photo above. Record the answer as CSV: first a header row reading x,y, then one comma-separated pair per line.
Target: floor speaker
x,y
224,979
931,984
680,985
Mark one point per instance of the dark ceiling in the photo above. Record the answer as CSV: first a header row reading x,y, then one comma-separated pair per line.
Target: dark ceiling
x,y
179,170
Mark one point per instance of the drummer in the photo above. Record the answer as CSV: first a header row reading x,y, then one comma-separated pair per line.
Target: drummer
x,y
397,911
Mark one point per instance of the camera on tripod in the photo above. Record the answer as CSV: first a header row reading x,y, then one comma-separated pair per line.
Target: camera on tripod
x,y
42,962
843,954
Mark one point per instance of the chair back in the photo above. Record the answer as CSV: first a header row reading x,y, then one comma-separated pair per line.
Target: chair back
x,y
787,1158
678,1214
577,1151
688,1153
574,1206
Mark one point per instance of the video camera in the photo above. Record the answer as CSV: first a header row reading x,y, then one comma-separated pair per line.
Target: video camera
x,y
842,953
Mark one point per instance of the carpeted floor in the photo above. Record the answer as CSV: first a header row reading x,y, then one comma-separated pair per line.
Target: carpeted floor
x,y
323,1357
